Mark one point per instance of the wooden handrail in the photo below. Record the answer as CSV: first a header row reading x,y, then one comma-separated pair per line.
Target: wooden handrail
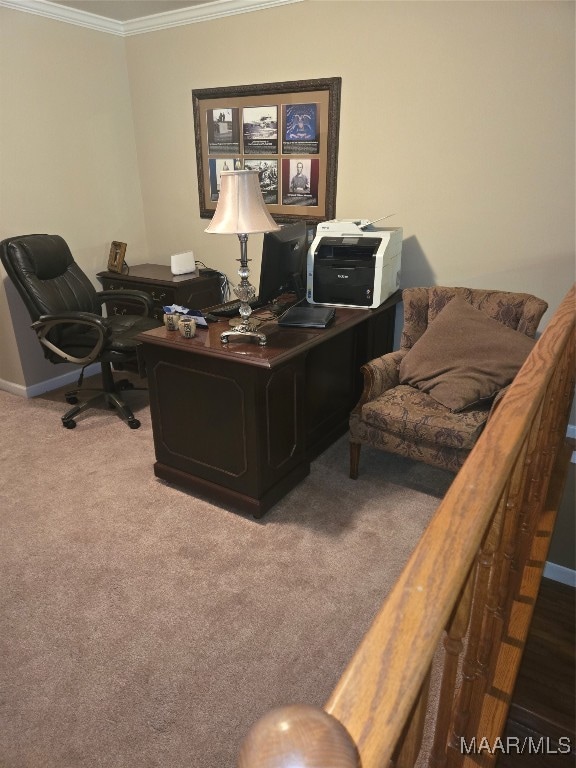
x,y
463,577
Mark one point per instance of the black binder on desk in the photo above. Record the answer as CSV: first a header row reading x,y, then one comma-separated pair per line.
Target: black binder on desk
x,y
307,317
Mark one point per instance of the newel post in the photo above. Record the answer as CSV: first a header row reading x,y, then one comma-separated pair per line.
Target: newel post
x,y
298,736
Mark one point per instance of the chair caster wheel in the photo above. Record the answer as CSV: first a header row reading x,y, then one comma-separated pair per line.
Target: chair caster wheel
x,y
71,399
133,423
68,423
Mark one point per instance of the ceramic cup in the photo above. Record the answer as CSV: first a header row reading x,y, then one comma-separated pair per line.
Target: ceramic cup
x,y
171,320
187,326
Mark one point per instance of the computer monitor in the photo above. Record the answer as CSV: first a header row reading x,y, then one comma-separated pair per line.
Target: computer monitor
x,y
283,268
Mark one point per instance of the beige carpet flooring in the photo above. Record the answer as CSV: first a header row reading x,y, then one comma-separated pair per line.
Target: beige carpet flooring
x,y
141,627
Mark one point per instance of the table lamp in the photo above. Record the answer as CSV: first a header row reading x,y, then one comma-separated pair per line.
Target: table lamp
x,y
241,211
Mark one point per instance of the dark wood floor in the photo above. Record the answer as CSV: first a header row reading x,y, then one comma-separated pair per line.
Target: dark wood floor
x,y
543,704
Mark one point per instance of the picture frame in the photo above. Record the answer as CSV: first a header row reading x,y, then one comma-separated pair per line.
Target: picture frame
x,y
116,257
287,131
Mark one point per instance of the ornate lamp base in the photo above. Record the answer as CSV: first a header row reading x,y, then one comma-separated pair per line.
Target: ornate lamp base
x,y
243,332
246,331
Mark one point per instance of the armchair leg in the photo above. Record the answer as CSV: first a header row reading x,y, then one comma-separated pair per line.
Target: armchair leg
x,y
354,459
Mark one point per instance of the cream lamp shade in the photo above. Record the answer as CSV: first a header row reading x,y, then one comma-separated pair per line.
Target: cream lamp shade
x,y
241,208
241,211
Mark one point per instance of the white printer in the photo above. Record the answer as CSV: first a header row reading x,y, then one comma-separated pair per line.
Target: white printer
x,y
352,263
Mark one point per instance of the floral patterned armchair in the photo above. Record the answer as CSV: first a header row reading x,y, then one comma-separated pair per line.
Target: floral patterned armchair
x,y
404,419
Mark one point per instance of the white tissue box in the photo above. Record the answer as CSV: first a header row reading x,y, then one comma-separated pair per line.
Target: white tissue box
x,y
182,263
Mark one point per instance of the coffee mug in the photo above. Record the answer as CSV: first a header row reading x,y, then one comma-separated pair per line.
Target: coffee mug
x,y
171,320
187,326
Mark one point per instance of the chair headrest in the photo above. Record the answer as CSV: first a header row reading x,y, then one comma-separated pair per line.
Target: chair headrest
x,y
46,256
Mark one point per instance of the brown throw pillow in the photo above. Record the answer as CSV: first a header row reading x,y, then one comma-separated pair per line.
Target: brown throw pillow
x,y
464,356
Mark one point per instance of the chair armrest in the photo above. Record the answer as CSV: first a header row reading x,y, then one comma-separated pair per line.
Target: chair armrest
x,y
380,375
127,293
46,323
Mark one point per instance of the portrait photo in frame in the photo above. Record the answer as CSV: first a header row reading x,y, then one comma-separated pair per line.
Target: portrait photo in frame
x,y
287,131
116,257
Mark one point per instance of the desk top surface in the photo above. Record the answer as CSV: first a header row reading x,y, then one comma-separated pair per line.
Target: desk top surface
x,y
283,343
157,273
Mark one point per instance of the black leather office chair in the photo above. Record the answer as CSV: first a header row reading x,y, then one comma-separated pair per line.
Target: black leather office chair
x,y
66,311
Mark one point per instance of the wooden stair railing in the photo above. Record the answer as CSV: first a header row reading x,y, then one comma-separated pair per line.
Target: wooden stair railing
x,y
472,581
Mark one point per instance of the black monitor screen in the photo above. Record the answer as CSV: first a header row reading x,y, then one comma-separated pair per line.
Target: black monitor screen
x,y
283,267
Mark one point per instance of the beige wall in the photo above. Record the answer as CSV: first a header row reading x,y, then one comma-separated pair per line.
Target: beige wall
x,y
67,160
458,117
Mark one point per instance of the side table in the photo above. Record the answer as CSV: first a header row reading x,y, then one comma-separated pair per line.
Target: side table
x,y
195,290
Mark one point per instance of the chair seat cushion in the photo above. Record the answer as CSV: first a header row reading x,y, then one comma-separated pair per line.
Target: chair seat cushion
x,y
464,357
79,340
415,416
125,327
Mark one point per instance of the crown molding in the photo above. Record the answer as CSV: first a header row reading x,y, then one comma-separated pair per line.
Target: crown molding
x,y
62,13
206,12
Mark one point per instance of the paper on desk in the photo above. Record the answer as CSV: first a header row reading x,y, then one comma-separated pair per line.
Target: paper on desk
x,y
195,313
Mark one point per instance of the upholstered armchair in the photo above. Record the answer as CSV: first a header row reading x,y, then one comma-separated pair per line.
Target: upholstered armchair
x,y
66,313
460,349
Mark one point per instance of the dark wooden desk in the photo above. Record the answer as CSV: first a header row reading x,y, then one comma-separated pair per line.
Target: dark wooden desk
x,y
240,423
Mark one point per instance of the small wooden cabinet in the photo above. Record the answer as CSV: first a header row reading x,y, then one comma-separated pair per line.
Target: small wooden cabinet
x,y
195,290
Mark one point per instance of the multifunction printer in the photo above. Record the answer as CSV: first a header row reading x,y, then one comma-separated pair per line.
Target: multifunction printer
x,y
352,263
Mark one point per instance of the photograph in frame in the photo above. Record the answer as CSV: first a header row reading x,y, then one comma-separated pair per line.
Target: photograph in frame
x,y
300,181
270,128
116,257
223,131
300,134
267,169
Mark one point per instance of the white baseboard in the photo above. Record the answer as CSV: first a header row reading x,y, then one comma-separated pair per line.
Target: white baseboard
x,y
560,573
71,377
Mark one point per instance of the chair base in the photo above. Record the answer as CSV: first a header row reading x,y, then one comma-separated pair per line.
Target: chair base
x,y
109,393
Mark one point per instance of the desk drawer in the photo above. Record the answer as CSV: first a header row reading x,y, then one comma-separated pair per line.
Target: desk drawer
x,y
191,293
161,296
